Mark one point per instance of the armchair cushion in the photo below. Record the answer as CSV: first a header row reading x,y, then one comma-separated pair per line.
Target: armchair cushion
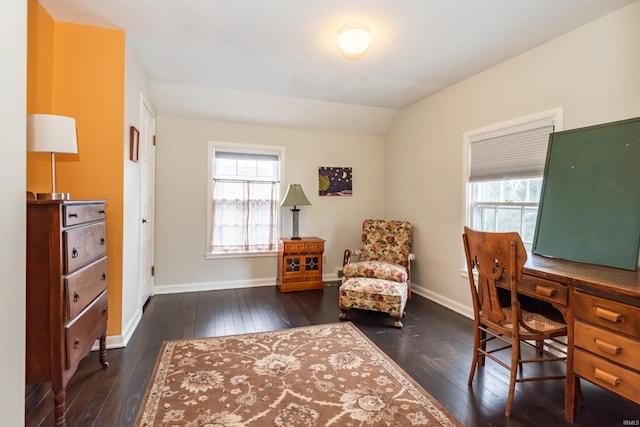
x,y
376,269
386,240
374,294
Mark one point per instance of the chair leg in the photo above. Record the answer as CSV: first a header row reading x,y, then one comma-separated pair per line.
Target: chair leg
x,y
579,390
397,320
520,364
482,343
474,360
515,362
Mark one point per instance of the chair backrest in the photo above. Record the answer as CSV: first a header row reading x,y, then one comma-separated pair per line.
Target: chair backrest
x,y
495,257
386,240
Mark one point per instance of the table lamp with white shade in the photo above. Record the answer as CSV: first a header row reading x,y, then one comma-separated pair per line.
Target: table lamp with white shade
x,y
295,197
48,133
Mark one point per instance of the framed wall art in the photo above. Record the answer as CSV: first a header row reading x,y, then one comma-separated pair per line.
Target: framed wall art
x,y
134,143
335,181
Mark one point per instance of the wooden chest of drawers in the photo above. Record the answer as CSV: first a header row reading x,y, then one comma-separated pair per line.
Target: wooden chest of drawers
x,y
607,343
66,291
300,264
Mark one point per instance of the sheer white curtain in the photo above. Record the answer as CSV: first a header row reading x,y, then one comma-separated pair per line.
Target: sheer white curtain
x,y
244,215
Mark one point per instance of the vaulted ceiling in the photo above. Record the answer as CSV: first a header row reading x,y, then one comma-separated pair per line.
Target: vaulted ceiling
x,y
276,62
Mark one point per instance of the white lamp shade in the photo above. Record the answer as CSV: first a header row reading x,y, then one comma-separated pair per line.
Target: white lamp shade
x,y
295,196
354,39
47,133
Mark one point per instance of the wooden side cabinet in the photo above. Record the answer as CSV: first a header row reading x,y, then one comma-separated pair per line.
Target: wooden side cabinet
x,y
300,264
66,291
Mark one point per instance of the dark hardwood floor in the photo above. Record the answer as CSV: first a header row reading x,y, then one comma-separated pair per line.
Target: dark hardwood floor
x,y
434,348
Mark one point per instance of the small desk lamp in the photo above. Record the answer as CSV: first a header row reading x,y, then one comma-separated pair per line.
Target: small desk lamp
x,y
47,133
295,197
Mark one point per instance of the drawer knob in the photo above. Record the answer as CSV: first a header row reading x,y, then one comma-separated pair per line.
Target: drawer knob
x,y
608,347
74,253
102,241
607,377
76,343
104,312
101,212
76,297
609,315
545,290
73,215
104,276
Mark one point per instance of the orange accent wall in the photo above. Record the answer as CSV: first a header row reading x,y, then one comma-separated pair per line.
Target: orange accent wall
x,y
78,71
40,29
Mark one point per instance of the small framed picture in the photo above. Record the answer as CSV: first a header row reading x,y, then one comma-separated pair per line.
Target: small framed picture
x,y
134,142
335,181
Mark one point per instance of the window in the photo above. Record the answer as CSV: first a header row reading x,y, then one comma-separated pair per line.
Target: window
x,y
244,197
509,205
505,168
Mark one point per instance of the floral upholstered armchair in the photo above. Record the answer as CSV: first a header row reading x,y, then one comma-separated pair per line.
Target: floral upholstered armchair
x,y
381,279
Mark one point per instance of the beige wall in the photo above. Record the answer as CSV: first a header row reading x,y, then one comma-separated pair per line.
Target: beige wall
x,y
13,105
592,72
181,191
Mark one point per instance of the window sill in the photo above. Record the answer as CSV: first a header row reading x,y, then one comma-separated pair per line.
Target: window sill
x,y
223,255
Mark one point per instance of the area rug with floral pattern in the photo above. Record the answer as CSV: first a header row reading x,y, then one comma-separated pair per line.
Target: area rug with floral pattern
x,y
322,375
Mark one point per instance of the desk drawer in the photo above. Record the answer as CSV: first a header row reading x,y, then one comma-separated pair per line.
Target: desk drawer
x,y
606,344
543,289
614,315
621,381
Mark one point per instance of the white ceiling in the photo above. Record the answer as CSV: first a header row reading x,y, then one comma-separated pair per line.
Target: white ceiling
x,y
276,61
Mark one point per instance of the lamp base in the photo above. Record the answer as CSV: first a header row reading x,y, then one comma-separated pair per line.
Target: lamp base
x,y
294,232
52,196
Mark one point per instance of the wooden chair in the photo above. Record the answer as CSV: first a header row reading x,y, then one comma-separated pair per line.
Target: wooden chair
x,y
381,279
498,258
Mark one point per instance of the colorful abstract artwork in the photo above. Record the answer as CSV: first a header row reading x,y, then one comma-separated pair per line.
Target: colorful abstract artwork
x,y
335,181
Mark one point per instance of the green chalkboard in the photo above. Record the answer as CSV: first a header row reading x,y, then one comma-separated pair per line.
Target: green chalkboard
x,y
590,202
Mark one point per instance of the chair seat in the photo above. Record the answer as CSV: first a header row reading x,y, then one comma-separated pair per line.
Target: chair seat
x,y
376,269
374,294
534,321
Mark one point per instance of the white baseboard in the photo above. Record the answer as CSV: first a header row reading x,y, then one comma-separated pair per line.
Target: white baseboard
x,y
113,341
130,327
464,310
120,341
177,288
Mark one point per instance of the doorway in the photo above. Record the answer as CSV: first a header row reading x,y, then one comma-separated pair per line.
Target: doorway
x,y
147,197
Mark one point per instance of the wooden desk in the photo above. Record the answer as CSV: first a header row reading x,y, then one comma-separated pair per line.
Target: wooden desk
x,y
602,311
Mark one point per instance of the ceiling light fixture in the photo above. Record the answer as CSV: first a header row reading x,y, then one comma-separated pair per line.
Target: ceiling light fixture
x,y
354,39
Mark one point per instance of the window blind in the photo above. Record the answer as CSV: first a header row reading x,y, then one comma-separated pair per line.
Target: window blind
x,y
510,153
246,156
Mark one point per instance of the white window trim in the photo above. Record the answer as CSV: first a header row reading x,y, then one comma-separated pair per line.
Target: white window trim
x,y
556,114
238,148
